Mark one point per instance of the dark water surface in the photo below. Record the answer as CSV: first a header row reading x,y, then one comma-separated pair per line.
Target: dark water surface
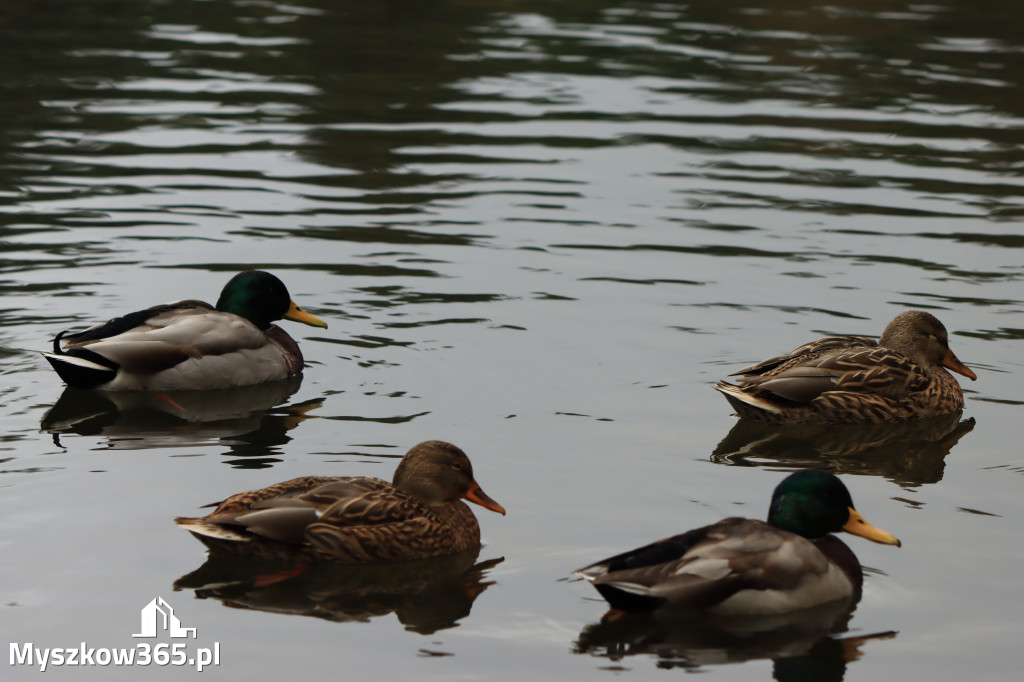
x,y
540,230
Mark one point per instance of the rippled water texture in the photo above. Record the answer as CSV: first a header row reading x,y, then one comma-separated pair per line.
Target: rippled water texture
x,y
540,230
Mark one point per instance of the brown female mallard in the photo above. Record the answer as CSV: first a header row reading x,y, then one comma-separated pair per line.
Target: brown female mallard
x,y
353,519
852,379
189,345
746,567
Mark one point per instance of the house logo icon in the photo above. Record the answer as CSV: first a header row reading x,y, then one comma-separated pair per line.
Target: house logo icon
x,y
158,615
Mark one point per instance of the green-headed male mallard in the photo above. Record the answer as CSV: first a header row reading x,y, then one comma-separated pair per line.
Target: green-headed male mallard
x,y
746,567
353,519
189,345
852,379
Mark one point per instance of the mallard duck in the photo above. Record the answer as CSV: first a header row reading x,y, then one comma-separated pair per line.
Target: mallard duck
x,y
747,567
355,520
852,379
189,345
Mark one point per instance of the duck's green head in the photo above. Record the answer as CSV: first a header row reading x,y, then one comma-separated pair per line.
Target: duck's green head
x,y
813,503
262,298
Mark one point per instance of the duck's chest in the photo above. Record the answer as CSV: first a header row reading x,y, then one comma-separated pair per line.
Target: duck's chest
x,y
461,525
942,395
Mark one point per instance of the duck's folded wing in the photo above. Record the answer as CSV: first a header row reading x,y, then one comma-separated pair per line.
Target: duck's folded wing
x,y
292,488
284,511
341,507
355,503
732,558
651,556
124,323
873,371
162,337
808,351
630,581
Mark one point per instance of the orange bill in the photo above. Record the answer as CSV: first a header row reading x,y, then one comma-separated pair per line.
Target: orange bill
x,y
858,526
952,362
476,494
297,314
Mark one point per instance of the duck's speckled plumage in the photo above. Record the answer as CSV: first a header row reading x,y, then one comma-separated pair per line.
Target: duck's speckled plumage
x,y
853,379
189,345
743,566
355,520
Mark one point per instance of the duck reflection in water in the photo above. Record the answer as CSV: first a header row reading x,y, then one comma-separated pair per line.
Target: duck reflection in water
x,y
803,646
908,453
426,595
247,418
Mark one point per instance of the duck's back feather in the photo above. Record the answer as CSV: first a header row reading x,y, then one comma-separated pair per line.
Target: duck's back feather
x,y
343,519
735,566
172,336
841,382
803,353
124,323
183,345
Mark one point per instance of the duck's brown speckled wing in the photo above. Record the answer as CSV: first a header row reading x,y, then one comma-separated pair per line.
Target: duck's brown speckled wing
x,y
842,382
872,371
293,488
826,345
343,519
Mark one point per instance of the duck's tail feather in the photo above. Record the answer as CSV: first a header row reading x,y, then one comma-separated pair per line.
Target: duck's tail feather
x,y
742,401
204,529
80,368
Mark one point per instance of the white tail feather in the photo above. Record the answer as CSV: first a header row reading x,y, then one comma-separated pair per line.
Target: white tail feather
x,y
212,530
738,393
73,360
